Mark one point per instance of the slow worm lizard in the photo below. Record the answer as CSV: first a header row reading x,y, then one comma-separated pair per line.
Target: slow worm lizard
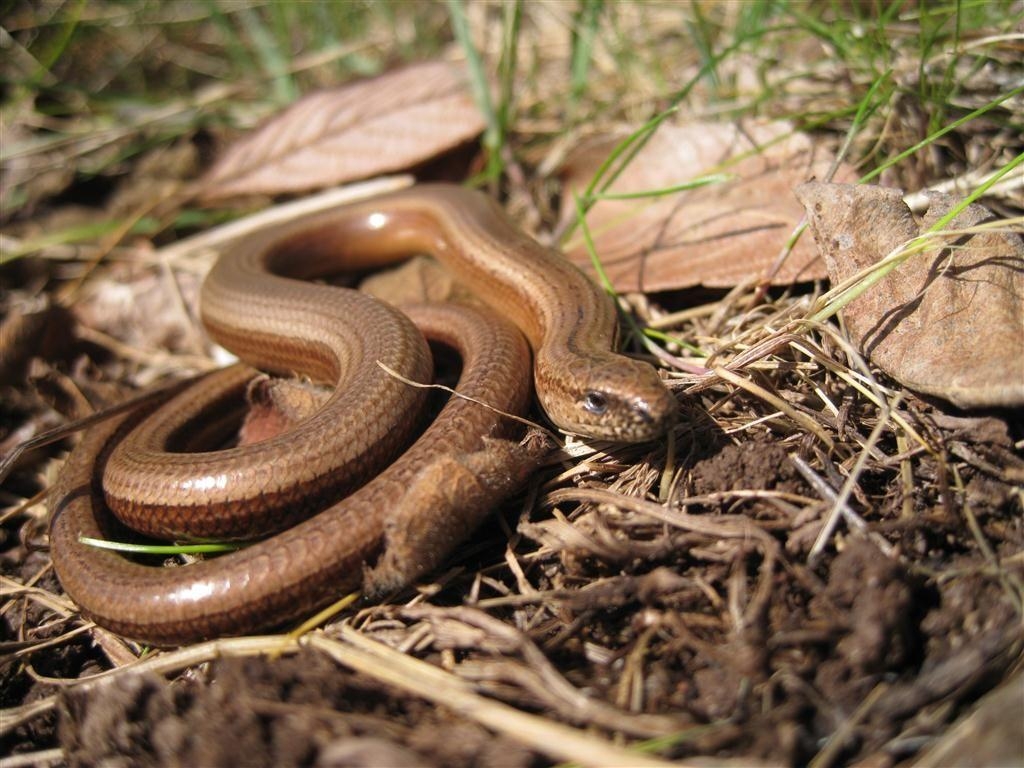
x,y
257,302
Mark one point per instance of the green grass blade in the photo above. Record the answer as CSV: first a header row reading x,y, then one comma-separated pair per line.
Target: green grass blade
x,y
160,549
481,89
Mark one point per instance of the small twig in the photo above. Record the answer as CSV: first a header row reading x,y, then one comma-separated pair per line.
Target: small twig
x,y
40,645
34,759
454,393
557,741
732,526
838,509
1011,583
799,417
839,506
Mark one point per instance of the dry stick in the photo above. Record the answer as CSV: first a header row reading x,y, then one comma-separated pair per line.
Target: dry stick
x,y
906,475
668,472
874,391
840,502
827,492
758,605
557,741
11,588
840,505
34,759
548,683
17,716
800,418
110,241
24,505
803,345
629,691
151,357
30,648
734,527
160,664
1010,475
388,665
839,738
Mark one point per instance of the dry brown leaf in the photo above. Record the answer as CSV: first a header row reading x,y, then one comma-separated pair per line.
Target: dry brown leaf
x,y
141,307
417,281
949,321
385,124
717,235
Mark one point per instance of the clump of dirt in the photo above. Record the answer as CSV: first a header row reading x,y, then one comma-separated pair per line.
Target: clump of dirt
x,y
294,711
759,465
872,608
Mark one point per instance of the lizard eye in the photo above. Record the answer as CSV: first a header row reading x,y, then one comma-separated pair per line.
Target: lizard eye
x,y
595,402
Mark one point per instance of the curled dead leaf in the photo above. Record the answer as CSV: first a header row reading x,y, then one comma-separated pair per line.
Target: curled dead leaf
x,y
417,281
458,489
360,129
718,235
949,321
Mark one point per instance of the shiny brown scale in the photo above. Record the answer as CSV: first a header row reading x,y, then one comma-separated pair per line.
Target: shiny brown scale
x,y
253,304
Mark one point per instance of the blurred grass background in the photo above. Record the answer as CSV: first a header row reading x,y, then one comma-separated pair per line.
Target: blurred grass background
x,y
90,86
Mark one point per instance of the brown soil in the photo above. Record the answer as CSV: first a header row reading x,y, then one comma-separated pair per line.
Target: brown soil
x,y
715,630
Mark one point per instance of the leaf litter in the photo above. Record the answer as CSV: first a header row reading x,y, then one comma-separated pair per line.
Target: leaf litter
x,y
668,597
389,123
949,321
716,235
